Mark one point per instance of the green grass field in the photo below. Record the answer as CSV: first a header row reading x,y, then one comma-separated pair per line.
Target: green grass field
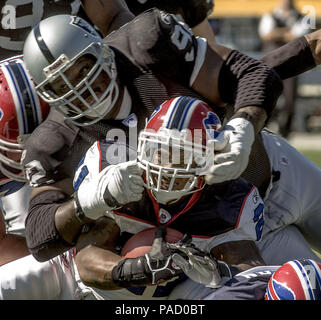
x,y
314,156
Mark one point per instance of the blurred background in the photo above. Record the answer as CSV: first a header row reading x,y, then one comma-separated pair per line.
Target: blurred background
x,y
258,26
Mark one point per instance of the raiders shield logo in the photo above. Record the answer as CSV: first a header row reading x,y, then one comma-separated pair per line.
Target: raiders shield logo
x,y
84,25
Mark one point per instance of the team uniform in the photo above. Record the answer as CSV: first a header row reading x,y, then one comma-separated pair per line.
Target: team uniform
x,y
28,279
292,207
14,199
232,211
247,285
17,20
56,146
192,12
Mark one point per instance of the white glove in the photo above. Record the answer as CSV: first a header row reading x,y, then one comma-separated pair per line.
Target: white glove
x,y
114,186
198,265
234,144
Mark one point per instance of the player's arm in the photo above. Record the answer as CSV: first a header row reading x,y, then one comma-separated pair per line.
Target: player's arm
x,y
101,267
51,225
59,210
107,15
241,254
228,76
12,246
222,76
205,30
297,56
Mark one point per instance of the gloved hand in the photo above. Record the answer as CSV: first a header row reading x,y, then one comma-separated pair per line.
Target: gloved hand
x,y
198,265
152,268
233,146
114,186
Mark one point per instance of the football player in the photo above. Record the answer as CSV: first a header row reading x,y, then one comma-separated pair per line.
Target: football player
x,y
174,151
17,19
166,184
21,276
98,87
21,111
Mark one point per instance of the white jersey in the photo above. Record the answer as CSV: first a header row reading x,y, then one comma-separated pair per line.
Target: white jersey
x,y
15,209
292,206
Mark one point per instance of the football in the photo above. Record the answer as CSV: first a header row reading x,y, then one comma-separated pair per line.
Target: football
x,y
141,242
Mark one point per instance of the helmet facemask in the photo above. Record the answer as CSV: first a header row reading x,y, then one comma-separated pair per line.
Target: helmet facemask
x,y
172,163
79,102
10,159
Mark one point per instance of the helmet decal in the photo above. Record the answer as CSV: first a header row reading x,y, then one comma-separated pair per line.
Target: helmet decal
x,y
81,23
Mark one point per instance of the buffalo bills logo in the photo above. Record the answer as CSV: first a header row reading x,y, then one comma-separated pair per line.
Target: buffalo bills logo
x,y
154,112
211,124
280,291
164,216
1,114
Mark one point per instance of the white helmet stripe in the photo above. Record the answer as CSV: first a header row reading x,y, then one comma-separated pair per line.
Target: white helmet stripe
x,y
36,108
304,279
188,114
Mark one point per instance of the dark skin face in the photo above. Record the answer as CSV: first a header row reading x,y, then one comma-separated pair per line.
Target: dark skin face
x,y
179,183
75,74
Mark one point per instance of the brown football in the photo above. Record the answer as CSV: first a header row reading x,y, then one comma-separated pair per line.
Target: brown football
x,y
141,242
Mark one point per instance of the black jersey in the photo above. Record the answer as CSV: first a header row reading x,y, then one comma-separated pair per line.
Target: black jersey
x,y
154,66
18,19
191,12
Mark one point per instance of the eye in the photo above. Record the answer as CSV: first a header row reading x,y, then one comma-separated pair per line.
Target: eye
x,y
63,88
85,70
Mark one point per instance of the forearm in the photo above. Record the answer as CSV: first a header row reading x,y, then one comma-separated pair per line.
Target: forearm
x,y
296,57
95,267
205,30
242,255
256,115
12,247
107,15
251,83
67,224
44,238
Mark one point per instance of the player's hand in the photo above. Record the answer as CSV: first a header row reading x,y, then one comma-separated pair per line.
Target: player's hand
x,y
113,187
155,267
198,265
233,147
126,183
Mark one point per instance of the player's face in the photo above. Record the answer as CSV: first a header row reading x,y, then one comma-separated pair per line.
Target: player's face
x,y
76,73
174,158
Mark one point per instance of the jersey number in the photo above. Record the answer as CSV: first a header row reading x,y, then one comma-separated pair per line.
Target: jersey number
x,y
259,218
181,38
